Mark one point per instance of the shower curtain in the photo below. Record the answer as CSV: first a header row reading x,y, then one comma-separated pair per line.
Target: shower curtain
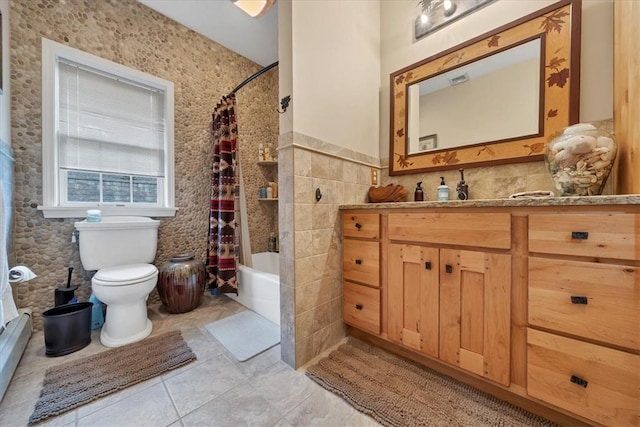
x,y
223,247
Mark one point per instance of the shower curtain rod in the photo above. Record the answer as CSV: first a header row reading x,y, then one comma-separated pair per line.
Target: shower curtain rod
x,y
253,76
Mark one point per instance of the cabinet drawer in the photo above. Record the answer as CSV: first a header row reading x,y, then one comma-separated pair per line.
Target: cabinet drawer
x,y
361,261
486,230
361,307
365,225
595,382
593,235
597,301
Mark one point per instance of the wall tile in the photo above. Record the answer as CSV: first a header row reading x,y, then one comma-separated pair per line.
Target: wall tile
x,y
303,220
302,163
303,244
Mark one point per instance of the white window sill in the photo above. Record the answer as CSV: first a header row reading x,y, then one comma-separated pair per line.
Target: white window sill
x,y
76,212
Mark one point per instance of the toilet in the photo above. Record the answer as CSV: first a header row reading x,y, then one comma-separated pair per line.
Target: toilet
x,y
121,249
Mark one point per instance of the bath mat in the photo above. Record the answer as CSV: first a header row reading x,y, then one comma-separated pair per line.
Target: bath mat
x,y
78,382
398,392
245,334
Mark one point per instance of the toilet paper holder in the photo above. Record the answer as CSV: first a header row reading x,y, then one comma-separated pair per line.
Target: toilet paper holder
x,y
21,274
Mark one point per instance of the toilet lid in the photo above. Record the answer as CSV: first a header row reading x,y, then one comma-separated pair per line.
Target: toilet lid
x,y
131,273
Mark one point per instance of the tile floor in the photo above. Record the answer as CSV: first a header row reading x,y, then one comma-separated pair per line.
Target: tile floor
x,y
215,390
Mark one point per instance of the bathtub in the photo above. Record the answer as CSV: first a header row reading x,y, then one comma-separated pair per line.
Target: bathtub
x,y
259,288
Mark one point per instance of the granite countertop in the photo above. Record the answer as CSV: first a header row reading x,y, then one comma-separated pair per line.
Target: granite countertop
x,y
629,199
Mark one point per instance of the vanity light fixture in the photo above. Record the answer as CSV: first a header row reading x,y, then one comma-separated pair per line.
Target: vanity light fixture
x,y
428,7
254,8
437,13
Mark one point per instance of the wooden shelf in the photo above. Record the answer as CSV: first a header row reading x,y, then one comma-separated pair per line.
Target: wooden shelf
x,y
268,200
268,162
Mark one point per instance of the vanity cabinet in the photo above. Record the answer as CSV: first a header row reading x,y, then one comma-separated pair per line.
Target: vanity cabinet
x,y
446,297
584,314
361,271
414,297
537,304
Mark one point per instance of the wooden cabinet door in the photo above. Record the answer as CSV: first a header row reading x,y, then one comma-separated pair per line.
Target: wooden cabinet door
x,y
475,312
413,297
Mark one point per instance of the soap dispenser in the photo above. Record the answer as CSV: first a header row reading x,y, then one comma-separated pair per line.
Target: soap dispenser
x,y
462,188
418,196
443,190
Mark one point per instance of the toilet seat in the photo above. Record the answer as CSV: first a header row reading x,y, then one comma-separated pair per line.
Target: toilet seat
x,y
124,275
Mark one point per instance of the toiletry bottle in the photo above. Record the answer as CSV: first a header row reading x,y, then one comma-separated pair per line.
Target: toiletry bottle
x,y
462,188
263,192
418,196
269,192
271,247
443,190
261,152
266,154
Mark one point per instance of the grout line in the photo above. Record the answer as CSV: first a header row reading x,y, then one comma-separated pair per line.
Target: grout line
x,y
173,402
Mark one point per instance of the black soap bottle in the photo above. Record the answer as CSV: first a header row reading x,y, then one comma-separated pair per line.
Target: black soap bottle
x,y
418,196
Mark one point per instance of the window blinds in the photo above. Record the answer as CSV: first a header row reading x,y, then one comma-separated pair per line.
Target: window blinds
x,y
109,124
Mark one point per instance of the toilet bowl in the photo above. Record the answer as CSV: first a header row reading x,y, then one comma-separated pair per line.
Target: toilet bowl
x,y
125,290
120,249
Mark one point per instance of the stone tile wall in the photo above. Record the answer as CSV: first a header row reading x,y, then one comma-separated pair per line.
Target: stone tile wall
x,y
127,32
311,294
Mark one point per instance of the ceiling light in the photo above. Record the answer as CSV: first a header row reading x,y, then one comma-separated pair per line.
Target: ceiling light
x,y
254,8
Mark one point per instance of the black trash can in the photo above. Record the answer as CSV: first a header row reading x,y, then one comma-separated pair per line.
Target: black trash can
x,y
67,328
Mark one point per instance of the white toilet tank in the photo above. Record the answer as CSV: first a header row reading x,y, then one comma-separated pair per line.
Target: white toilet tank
x,y
117,240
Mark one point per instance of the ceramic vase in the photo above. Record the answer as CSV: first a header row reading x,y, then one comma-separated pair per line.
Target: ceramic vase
x,y
181,283
580,160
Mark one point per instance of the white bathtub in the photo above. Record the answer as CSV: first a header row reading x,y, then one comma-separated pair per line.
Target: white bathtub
x,y
259,288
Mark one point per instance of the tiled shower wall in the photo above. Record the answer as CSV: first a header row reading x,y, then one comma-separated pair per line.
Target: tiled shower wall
x,y
127,32
311,263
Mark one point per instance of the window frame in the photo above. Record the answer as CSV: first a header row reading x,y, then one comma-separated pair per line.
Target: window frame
x,y
52,206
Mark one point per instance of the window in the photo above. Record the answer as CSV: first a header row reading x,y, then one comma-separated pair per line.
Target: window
x,y
107,137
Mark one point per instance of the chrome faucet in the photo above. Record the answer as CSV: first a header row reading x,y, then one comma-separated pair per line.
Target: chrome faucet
x,y
462,188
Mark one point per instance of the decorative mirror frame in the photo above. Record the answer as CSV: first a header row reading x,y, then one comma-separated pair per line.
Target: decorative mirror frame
x,y
558,27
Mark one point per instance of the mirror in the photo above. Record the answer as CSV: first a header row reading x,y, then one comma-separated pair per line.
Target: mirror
x,y
496,99
506,84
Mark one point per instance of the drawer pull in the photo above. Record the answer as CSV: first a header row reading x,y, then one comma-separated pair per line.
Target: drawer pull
x,y
579,300
358,306
358,225
358,261
427,265
448,268
579,381
579,235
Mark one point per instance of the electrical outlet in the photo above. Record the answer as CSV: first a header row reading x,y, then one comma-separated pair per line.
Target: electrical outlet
x,y
374,176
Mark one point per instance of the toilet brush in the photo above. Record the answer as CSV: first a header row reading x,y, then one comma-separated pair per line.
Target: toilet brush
x,y
64,295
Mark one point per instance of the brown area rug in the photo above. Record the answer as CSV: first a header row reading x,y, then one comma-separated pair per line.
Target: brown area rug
x,y
78,382
398,392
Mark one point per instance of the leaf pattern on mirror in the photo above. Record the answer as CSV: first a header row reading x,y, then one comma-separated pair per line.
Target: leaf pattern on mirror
x,y
447,157
487,149
400,79
554,21
454,57
493,41
559,76
403,161
552,113
399,95
400,133
538,147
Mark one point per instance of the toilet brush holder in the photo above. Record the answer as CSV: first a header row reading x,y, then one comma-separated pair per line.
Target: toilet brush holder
x,y
64,295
